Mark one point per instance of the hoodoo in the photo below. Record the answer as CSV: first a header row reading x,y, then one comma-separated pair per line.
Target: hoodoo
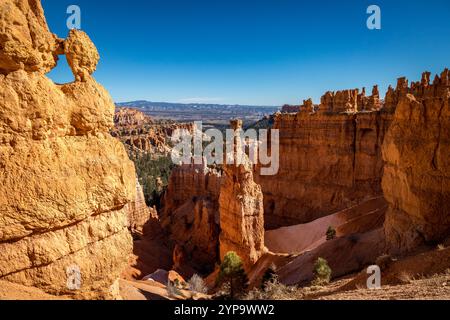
x,y
64,181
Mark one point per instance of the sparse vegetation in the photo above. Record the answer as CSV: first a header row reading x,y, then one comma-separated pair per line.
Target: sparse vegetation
x,y
268,276
274,290
197,284
331,233
440,247
322,272
232,274
173,290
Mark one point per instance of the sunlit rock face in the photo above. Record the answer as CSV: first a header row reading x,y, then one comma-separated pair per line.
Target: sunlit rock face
x,y
416,180
328,161
64,181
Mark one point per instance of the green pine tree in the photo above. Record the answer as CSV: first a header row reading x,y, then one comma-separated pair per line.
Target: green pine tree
x,y
331,233
232,273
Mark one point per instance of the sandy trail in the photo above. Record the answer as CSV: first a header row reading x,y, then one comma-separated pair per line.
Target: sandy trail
x,y
361,218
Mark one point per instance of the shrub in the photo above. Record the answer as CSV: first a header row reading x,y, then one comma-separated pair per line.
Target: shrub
x,y
197,284
269,275
173,290
232,274
331,233
322,272
274,290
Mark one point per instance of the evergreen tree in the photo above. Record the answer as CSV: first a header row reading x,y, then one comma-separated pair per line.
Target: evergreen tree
x,y
232,273
331,233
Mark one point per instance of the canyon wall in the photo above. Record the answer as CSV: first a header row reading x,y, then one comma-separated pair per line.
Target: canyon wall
x,y
190,215
139,214
416,182
64,181
328,161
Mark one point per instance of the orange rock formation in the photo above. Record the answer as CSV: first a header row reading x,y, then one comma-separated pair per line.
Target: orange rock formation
x,y
327,162
141,134
416,180
191,215
64,181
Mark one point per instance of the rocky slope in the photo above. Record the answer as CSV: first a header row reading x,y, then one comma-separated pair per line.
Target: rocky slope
x,y
141,134
64,181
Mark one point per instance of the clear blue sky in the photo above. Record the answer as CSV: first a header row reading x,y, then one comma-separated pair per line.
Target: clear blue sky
x,y
266,52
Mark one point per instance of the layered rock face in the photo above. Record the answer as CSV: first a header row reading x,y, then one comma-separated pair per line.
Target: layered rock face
x,y
241,208
64,181
241,215
328,161
416,181
191,215
141,134
209,213
127,117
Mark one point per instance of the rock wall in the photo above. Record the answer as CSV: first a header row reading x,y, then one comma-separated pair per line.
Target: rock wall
x,y
416,182
328,161
139,214
64,181
190,215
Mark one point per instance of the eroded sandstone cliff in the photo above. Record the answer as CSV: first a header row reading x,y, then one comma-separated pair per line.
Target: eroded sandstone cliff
x,y
64,181
416,180
211,211
328,161
191,216
142,134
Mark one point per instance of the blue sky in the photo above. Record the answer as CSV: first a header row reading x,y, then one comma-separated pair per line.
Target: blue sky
x,y
265,52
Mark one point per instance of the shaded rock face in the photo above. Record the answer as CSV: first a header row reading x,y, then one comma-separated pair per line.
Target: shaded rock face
x,y
190,216
327,163
64,181
416,182
139,214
